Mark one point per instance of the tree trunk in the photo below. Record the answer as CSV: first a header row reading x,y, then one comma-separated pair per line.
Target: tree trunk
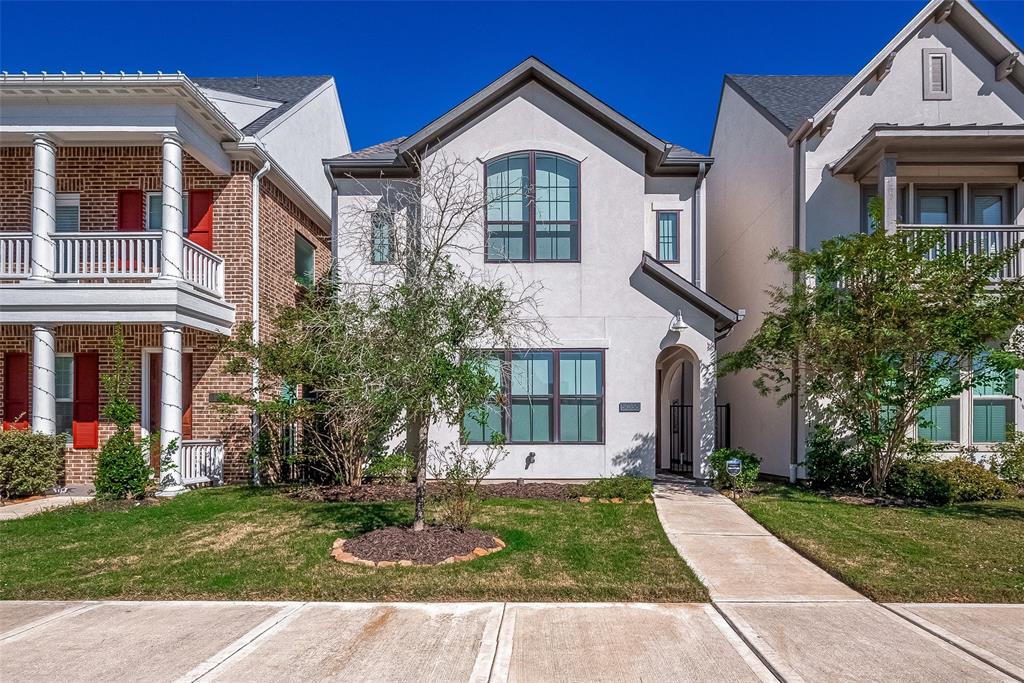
x,y
416,441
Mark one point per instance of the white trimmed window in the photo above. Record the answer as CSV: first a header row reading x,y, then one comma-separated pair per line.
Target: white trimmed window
x,y
155,211
68,213
64,392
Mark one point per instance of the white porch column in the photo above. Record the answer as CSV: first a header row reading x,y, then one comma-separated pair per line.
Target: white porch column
x,y
171,407
44,379
172,245
44,207
889,191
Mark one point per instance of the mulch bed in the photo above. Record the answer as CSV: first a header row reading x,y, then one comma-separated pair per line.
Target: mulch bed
x,y
382,493
430,546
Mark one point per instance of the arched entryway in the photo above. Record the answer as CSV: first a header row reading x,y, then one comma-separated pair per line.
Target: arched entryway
x,y
679,410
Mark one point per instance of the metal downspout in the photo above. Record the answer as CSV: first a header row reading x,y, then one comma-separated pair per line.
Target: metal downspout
x,y
256,307
701,173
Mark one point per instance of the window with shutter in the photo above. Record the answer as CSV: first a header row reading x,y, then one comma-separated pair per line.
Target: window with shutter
x,y
16,387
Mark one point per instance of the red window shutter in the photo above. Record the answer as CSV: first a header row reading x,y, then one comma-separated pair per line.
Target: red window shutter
x,y
200,218
16,386
130,207
85,414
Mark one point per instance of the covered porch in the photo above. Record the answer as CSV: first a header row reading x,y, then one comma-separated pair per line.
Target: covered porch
x,y
963,180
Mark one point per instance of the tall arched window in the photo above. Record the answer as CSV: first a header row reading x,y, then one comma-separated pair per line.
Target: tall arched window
x,y
533,205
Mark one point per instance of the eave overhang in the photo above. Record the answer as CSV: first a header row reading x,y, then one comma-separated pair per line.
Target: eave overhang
x,y
723,316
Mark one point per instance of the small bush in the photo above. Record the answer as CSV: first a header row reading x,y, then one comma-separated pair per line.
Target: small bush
x,y
750,468
633,489
390,467
122,470
832,463
943,482
30,464
462,470
1008,460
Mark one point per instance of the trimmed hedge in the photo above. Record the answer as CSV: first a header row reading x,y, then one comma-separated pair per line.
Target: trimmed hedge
x,y
30,463
944,482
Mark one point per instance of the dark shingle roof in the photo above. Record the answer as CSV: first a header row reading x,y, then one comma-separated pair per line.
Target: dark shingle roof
x,y
790,100
382,151
288,90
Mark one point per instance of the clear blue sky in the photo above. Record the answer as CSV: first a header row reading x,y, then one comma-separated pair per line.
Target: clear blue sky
x,y
399,65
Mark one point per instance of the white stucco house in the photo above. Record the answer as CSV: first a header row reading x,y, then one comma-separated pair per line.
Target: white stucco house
x,y
611,220
935,124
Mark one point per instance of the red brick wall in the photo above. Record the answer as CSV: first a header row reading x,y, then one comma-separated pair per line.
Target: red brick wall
x,y
97,174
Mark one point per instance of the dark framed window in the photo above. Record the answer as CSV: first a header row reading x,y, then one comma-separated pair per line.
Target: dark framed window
x,y
668,236
304,259
382,241
990,205
550,397
936,206
533,204
867,192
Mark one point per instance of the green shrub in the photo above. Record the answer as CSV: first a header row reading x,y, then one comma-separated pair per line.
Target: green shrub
x,y
634,489
1008,460
122,470
832,463
750,468
390,467
943,482
30,463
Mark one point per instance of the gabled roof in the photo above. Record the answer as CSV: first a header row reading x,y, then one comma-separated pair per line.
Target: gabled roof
x,y
787,101
286,90
662,156
981,32
723,316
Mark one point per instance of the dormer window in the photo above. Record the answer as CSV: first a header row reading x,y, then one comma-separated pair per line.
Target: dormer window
x,y
533,204
936,65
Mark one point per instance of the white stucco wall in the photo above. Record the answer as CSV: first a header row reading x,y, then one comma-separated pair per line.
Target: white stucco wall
x,y
750,207
595,303
306,135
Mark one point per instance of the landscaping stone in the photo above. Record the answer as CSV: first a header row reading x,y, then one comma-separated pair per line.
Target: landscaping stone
x,y
499,543
616,500
585,499
338,543
480,552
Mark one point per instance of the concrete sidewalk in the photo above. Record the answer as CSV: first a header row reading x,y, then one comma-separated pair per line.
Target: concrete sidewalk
x,y
808,626
32,507
435,643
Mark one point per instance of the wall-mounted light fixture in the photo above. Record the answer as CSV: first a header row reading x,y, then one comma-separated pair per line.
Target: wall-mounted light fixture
x,y
678,324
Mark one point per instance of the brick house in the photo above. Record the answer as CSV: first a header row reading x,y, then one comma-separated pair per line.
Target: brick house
x,y
181,208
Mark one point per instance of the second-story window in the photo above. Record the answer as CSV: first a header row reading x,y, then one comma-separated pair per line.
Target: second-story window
x,y
155,212
382,240
304,260
68,213
668,236
533,208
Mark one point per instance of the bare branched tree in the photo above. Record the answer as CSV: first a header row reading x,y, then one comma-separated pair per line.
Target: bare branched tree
x,y
416,245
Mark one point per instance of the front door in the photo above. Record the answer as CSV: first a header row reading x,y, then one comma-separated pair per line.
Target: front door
x,y
154,381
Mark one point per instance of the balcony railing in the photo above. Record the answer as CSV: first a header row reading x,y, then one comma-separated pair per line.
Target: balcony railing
x,y
202,462
110,256
976,239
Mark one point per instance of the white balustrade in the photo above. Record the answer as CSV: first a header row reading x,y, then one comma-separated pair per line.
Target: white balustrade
x,y
118,255
109,255
203,268
15,255
976,239
202,460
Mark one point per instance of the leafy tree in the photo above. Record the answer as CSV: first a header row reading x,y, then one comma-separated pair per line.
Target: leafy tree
x,y
878,327
121,470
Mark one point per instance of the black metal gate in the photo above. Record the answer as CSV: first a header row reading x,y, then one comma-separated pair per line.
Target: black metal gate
x,y
681,441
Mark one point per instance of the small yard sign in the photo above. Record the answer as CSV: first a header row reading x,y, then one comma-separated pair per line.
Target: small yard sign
x,y
733,466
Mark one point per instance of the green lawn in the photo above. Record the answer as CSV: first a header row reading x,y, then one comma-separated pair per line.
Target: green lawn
x,y
260,544
972,552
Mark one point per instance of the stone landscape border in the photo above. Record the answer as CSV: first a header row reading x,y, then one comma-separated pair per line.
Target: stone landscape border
x,y
339,553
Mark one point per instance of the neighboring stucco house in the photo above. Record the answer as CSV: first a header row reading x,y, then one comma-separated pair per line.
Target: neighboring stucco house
x,y
611,220
179,207
935,124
